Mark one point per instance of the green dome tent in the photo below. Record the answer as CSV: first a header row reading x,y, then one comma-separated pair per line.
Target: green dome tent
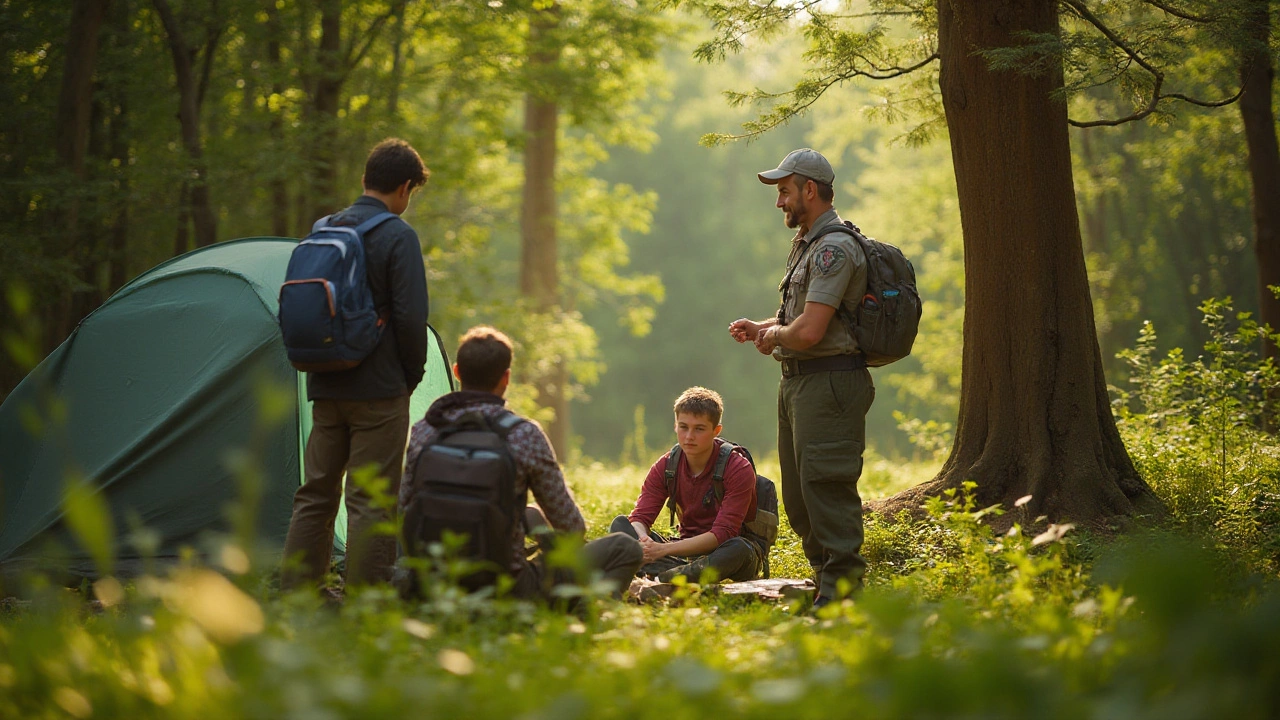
x,y
151,400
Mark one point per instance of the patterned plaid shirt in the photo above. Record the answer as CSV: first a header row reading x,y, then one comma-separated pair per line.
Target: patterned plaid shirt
x,y
536,466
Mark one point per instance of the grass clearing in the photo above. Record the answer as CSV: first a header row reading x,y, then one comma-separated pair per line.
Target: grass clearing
x,y
954,623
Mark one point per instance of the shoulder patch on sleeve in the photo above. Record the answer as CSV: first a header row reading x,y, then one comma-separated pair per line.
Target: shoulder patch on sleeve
x,y
830,258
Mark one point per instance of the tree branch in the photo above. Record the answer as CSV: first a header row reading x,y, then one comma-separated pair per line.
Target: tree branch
x,y
1084,14
1178,13
884,73
823,85
206,67
354,56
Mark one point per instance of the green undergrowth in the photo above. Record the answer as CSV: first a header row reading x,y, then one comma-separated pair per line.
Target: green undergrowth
x,y
955,622
1180,620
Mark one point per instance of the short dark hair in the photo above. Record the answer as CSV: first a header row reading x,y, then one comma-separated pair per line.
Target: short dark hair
x,y
392,163
826,193
701,401
484,354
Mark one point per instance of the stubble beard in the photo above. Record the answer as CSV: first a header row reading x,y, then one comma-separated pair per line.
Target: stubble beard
x,y
792,217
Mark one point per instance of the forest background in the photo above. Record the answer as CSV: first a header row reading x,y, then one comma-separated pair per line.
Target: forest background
x,y
201,121
573,204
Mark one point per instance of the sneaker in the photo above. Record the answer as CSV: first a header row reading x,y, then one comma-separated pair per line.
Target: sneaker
x,y
820,602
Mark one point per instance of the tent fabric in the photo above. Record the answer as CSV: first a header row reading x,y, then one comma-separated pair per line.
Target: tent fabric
x,y
155,400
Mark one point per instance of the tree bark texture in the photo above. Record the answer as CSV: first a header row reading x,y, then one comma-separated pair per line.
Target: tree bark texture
x,y
1035,418
539,254
189,91
325,102
71,143
1258,74
74,106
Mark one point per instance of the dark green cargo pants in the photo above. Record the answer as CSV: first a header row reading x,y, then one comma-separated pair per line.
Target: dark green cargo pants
x,y
822,423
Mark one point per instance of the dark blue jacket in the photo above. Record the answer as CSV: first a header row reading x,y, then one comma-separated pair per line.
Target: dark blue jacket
x,y
393,259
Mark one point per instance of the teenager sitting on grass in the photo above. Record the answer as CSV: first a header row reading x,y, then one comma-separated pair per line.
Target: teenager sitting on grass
x,y
441,488
710,526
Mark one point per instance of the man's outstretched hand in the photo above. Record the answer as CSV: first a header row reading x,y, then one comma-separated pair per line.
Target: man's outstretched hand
x,y
743,330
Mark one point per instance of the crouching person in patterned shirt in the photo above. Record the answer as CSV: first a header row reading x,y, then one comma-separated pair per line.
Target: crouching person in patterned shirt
x,y
470,469
711,510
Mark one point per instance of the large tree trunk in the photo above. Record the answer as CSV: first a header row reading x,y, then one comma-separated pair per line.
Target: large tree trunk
x,y
539,274
324,104
189,92
1258,73
71,142
1034,413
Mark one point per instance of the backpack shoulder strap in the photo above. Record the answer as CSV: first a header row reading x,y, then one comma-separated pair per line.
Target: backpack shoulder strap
x,y
673,465
373,222
717,473
851,230
843,227
322,222
504,422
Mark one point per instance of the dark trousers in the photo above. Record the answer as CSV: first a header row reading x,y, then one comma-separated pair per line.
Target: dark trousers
x,y
346,434
614,558
736,559
822,422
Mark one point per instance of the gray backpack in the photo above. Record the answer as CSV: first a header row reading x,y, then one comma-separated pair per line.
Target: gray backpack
x,y
888,316
464,483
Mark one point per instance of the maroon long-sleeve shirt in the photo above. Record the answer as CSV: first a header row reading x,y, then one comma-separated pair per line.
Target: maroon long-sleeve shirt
x,y
699,513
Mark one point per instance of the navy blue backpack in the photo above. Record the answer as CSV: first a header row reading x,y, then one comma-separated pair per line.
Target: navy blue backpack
x,y
327,314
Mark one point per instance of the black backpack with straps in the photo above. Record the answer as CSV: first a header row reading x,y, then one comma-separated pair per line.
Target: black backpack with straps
x,y
888,315
763,528
464,483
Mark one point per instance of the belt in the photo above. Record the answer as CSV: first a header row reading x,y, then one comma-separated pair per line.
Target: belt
x,y
792,367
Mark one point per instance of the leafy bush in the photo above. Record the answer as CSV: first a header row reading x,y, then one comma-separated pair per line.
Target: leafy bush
x,y
989,627
1196,430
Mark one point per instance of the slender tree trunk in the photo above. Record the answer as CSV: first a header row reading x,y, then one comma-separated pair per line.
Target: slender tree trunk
x,y
117,132
89,251
539,273
397,62
119,231
182,235
1258,74
1035,418
71,142
275,128
325,103
189,91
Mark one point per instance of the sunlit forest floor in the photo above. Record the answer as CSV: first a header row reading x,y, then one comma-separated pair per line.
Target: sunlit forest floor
x,y
1175,618
954,622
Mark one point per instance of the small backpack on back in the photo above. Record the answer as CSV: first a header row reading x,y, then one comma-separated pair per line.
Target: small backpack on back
x,y
888,316
761,529
464,483
327,314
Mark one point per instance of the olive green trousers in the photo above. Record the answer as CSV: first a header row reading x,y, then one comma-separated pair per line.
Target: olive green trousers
x,y
822,422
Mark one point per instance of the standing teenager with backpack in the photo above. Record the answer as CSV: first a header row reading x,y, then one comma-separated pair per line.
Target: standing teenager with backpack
x,y
826,389
360,415
471,468
712,488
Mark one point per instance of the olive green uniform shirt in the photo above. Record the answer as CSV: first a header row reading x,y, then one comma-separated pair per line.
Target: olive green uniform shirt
x,y
834,273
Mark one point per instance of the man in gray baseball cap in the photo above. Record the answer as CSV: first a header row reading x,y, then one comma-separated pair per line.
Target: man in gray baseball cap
x,y
825,390
805,161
